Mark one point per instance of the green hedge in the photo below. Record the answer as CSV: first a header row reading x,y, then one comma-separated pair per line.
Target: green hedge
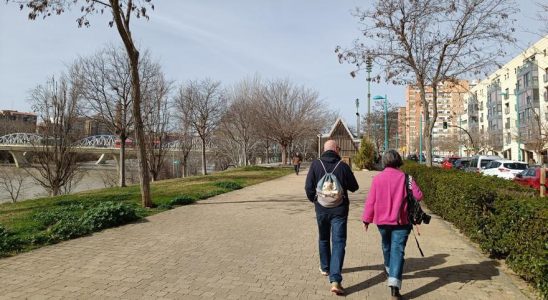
x,y
68,221
507,220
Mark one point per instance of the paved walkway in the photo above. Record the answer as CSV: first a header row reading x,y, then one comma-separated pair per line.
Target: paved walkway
x,y
255,243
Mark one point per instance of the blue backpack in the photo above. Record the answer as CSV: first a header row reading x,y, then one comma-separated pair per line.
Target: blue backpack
x,y
329,191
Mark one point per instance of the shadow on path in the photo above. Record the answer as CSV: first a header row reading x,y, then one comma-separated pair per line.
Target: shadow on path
x,y
485,270
466,273
257,201
411,265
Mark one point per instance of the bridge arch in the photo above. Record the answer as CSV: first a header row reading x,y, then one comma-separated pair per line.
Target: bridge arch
x,y
98,141
20,138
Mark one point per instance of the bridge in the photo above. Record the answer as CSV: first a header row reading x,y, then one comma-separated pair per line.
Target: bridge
x,y
20,145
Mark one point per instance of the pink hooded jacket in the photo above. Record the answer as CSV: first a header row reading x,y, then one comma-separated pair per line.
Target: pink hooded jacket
x,y
383,205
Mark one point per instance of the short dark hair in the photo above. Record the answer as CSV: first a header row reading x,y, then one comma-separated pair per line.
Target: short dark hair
x,y
392,159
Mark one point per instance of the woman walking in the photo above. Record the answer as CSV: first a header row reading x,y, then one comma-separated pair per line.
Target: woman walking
x,y
386,207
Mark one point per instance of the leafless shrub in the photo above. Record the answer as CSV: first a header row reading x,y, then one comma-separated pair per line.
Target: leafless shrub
x,y
12,181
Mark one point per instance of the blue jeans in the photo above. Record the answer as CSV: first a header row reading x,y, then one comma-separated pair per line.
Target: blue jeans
x,y
332,254
394,239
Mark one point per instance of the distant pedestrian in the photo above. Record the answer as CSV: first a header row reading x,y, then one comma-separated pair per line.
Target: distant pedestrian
x,y
332,216
297,159
386,206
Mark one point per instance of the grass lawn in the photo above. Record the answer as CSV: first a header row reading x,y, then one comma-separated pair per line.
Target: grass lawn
x,y
32,223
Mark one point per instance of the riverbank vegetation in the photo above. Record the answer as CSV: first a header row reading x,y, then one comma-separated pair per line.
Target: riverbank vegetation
x,y
34,223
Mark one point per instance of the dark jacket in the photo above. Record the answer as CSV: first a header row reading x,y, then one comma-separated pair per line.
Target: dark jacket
x,y
344,175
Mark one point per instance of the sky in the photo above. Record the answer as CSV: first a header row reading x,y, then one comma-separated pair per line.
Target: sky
x,y
223,40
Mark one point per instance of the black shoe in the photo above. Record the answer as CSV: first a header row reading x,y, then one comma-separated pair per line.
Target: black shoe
x,y
395,292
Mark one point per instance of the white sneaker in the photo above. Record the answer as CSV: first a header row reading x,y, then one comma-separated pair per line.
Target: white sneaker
x,y
324,273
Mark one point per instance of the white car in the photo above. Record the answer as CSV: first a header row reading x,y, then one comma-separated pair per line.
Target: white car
x,y
507,169
437,159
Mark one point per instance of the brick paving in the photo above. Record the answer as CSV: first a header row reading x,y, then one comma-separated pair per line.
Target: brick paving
x,y
255,243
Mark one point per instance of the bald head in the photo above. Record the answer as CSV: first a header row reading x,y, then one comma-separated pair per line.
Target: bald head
x,y
331,145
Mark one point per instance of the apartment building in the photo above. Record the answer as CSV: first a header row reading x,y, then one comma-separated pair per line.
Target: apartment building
x,y
450,101
401,132
507,112
12,121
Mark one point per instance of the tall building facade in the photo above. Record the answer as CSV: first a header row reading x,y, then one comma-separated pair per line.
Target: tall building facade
x,y
450,101
402,133
12,121
507,112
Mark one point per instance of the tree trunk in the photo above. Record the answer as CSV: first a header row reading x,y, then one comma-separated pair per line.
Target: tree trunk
x,y
122,171
133,55
284,153
204,169
54,191
184,165
267,158
245,155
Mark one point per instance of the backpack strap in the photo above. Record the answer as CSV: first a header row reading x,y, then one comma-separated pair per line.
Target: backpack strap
x,y
336,166
321,162
405,185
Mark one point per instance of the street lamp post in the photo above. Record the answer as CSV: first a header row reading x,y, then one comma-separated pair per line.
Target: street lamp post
x,y
368,67
385,119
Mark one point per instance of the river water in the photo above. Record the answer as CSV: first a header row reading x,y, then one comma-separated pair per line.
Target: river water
x,y
92,177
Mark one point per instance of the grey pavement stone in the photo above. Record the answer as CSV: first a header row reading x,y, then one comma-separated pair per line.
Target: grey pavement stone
x,y
255,243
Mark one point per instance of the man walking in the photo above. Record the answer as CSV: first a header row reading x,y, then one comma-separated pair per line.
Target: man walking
x,y
332,221
296,160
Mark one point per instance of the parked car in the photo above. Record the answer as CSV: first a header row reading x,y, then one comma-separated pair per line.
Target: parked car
x,y
530,178
461,163
507,169
448,162
415,157
437,159
479,162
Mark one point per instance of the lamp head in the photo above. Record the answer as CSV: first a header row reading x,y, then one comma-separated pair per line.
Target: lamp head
x,y
378,97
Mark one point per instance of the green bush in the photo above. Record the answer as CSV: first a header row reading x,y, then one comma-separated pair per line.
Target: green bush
x,y
365,158
109,214
53,215
507,220
229,185
67,228
7,241
182,200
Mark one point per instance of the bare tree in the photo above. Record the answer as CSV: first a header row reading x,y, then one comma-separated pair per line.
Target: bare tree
x,y
106,83
156,119
12,181
426,43
535,135
238,124
285,112
205,102
543,17
122,11
185,131
57,104
375,121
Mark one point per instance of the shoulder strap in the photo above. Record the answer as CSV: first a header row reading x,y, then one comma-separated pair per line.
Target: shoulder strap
x,y
336,166
405,186
321,162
